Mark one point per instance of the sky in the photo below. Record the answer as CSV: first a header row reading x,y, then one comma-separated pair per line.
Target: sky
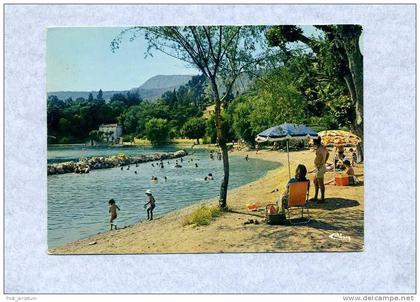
x,y
80,59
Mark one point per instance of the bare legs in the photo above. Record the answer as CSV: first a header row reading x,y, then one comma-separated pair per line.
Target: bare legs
x,y
319,185
150,213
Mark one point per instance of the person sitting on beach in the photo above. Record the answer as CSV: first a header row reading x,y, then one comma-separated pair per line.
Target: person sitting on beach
x,y
177,165
113,211
150,204
350,173
300,175
210,176
153,178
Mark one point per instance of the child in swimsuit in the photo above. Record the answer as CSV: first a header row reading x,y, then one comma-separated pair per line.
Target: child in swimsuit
x,y
113,211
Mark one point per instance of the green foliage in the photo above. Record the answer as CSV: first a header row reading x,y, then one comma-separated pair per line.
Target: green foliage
x,y
95,135
194,128
240,111
202,216
128,138
335,70
226,120
74,120
276,101
157,131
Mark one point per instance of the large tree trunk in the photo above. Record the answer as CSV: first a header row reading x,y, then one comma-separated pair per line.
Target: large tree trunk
x,y
222,144
225,182
355,60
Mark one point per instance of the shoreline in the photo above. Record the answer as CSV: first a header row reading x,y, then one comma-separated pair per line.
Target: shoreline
x,y
199,203
85,165
167,235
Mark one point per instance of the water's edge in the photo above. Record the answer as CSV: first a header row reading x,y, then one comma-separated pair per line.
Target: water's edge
x,y
173,212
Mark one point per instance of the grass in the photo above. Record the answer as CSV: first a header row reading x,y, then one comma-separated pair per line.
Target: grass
x,y
202,216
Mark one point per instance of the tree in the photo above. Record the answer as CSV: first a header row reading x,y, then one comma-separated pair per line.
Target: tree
x,y
157,131
221,53
341,55
94,136
195,128
100,96
241,111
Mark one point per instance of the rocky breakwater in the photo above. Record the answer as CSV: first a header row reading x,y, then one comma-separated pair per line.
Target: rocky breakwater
x,y
84,165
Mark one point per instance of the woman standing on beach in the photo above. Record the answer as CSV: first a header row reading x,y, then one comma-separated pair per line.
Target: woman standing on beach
x,y
321,157
151,202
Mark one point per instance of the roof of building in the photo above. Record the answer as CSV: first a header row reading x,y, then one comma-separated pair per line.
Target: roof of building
x,y
109,125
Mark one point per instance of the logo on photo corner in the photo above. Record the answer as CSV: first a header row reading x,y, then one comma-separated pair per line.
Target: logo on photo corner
x,y
339,236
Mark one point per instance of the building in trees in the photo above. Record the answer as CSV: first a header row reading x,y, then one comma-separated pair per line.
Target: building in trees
x,y
112,132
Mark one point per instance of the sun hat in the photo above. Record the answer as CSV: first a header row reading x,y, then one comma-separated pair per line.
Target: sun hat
x,y
148,192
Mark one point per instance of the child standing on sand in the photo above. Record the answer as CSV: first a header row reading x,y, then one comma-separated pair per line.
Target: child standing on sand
x,y
151,202
113,211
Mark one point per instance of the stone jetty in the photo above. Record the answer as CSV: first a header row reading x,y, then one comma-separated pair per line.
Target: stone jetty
x,y
84,165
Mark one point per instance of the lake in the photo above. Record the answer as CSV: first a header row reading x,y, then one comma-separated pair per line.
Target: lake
x,y
78,203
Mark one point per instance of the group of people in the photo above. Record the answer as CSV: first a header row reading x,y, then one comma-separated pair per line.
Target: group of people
x,y
149,206
321,166
213,154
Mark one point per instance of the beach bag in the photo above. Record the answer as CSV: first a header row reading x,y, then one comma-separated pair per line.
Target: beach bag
x,y
272,215
276,219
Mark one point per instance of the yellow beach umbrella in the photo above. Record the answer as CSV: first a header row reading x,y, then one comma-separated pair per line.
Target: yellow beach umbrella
x,y
339,138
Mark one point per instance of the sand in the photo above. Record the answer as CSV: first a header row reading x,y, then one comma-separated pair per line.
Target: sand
x,y
335,226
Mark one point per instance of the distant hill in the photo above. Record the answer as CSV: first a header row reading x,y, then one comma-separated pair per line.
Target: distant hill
x,y
63,95
165,81
152,89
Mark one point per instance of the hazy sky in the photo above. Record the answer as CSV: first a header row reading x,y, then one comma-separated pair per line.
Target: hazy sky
x,y
80,59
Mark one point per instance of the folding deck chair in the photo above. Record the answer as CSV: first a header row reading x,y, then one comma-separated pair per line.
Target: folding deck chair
x,y
298,199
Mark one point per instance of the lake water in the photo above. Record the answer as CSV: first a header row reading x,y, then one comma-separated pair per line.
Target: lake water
x,y
78,203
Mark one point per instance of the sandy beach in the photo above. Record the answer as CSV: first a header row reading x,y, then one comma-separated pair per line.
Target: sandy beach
x,y
336,225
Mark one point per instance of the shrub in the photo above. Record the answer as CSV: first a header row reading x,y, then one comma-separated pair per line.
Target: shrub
x,y
202,216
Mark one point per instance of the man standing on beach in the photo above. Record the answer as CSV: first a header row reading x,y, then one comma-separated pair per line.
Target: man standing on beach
x,y
321,158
